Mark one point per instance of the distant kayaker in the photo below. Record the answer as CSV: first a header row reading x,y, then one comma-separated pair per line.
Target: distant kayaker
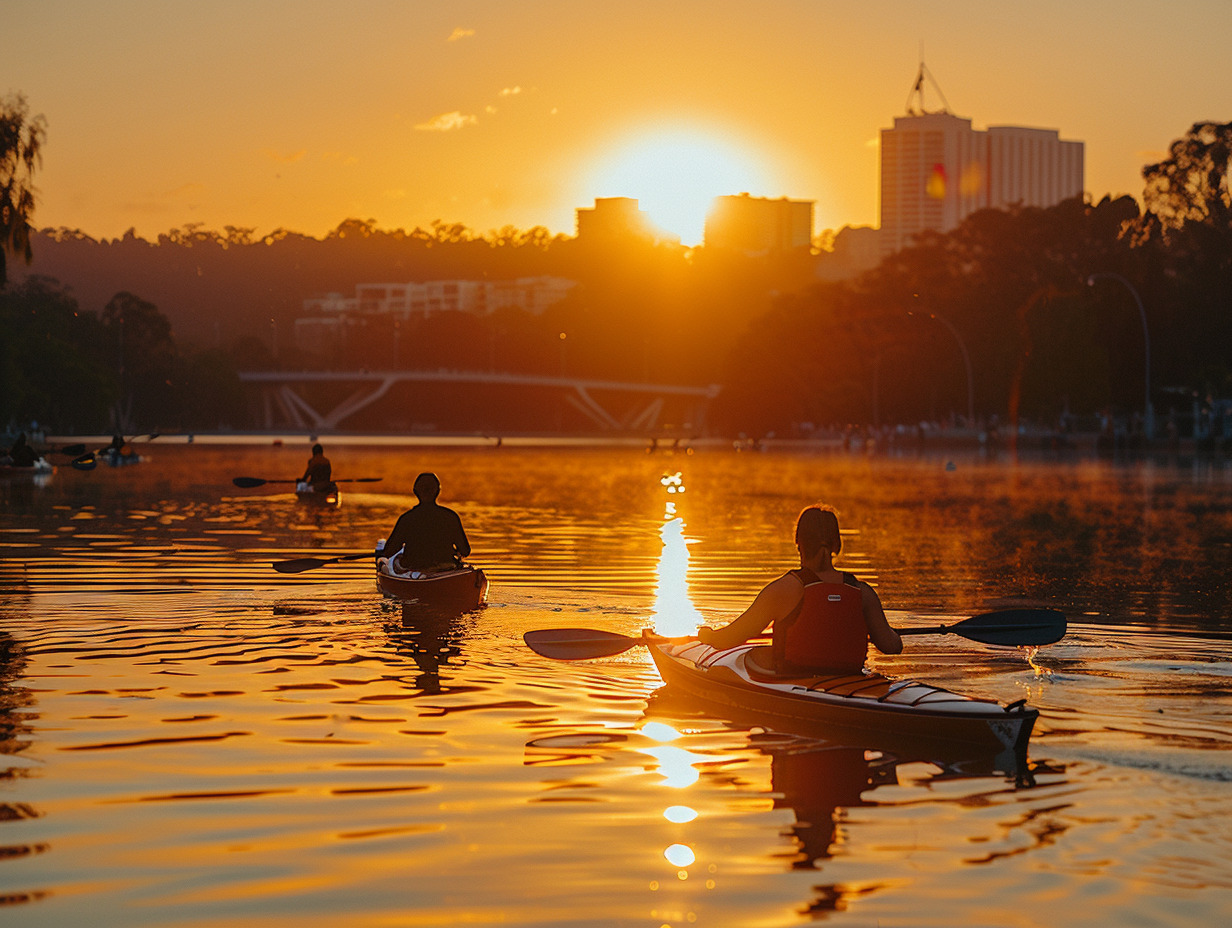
x,y
118,446
428,535
21,454
823,618
318,470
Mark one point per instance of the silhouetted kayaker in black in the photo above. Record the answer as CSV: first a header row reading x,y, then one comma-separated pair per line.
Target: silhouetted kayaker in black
x,y
318,472
21,454
429,536
823,618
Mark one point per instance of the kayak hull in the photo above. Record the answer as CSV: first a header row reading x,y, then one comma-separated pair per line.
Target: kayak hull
x,y
40,468
461,588
114,458
879,709
327,495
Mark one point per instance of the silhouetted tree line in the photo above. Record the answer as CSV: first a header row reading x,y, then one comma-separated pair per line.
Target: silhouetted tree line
x,y
1008,288
642,311
75,370
1043,300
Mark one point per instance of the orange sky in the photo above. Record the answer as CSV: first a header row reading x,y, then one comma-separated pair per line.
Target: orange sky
x,y
301,113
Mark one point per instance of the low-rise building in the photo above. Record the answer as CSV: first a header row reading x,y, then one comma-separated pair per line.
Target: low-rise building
x,y
324,317
758,225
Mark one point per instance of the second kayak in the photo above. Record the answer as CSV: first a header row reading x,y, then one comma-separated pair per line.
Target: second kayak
x,y
325,494
463,587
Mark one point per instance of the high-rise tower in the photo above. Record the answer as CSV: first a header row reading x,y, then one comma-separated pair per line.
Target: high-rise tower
x,y
936,170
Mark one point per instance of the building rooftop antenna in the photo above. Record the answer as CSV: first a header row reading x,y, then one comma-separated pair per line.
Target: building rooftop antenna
x,y
915,99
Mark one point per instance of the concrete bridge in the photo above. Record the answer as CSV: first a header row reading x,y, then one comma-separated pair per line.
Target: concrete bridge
x,y
284,406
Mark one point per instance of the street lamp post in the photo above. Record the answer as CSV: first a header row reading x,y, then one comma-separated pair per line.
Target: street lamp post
x,y
962,346
1148,412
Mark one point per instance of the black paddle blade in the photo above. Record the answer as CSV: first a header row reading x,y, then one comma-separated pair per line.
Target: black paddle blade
x,y
72,451
577,644
1017,627
299,565
248,482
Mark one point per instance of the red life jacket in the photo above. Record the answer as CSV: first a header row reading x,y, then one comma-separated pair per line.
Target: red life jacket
x,y
826,631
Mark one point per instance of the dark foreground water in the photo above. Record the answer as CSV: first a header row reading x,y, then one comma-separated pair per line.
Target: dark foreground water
x,y
188,738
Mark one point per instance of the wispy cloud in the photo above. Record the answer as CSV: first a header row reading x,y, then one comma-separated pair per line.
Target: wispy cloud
x,y
459,34
285,157
510,91
447,122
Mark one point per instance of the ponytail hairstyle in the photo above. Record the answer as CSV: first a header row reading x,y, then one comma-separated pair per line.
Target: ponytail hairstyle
x,y
817,528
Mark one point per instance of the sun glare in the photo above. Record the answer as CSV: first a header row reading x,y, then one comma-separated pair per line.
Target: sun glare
x,y
675,178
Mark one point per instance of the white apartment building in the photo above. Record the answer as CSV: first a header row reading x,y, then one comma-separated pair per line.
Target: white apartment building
x,y
936,170
327,317
532,294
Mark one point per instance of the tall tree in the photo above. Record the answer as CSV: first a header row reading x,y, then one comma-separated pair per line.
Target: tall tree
x,y
21,140
144,353
1187,233
1192,183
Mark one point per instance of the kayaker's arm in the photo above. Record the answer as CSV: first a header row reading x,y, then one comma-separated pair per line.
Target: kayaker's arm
x,y
461,543
397,538
776,600
884,638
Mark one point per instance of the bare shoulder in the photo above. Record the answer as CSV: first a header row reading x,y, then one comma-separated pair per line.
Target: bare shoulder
x,y
867,591
785,589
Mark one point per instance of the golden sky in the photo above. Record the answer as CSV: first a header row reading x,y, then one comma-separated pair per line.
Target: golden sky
x,y
298,114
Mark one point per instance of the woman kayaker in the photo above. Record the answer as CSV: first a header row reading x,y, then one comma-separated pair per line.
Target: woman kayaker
x,y
429,536
823,618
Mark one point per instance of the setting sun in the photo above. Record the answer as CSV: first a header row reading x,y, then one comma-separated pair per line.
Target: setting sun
x,y
675,177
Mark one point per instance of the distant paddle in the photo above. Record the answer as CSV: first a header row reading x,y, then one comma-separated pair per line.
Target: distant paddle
x,y
124,442
250,482
1017,627
300,564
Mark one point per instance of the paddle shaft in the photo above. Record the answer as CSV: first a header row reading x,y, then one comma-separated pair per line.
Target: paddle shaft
x,y
248,482
300,564
1020,627
952,630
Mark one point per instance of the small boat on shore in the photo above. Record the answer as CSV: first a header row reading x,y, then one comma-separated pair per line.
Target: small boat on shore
x,y
864,703
462,587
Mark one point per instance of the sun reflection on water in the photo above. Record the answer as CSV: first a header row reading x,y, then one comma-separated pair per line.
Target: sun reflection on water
x,y
674,612
676,765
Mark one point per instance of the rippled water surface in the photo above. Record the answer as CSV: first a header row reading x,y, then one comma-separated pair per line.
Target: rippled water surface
x,y
188,738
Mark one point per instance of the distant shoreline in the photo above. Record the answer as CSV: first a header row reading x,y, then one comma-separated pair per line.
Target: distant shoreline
x,y
1031,444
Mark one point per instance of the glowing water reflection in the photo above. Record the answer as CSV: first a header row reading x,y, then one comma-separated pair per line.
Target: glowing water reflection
x,y
674,612
679,815
257,748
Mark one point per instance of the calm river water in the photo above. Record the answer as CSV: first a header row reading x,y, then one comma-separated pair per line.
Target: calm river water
x,y
188,738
